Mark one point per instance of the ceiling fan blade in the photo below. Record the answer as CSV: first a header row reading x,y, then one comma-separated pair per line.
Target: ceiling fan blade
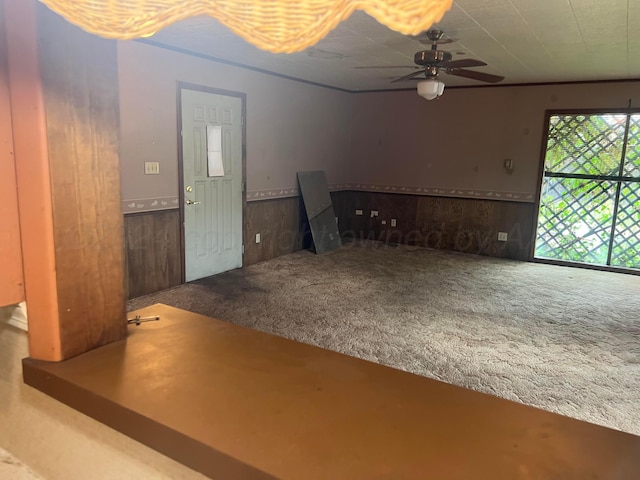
x,y
408,77
483,77
415,67
464,63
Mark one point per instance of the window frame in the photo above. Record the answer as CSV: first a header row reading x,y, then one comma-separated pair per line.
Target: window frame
x,y
541,175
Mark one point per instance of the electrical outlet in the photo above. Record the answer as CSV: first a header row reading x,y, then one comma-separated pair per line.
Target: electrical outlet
x,y
502,236
508,164
393,222
358,212
151,168
374,213
257,238
384,222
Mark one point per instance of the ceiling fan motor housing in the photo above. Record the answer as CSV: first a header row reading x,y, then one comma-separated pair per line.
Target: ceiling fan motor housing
x,y
429,57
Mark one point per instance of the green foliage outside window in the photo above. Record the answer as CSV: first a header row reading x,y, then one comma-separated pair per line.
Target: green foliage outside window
x,y
578,213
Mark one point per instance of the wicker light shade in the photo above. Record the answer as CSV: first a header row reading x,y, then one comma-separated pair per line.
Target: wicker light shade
x,y
275,25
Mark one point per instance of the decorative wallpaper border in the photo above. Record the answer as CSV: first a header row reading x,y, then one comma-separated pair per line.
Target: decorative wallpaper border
x,y
169,203
254,195
149,204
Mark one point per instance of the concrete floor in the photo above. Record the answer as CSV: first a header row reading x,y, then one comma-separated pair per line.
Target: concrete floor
x,y
13,469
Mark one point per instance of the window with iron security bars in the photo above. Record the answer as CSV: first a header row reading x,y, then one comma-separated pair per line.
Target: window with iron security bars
x,y
589,209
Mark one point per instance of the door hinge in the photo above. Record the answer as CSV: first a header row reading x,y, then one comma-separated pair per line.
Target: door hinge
x,y
242,187
243,249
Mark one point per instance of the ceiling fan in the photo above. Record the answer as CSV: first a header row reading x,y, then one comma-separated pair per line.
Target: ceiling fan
x,y
432,62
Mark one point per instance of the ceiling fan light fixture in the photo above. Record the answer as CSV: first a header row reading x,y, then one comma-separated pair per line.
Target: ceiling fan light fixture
x,y
430,88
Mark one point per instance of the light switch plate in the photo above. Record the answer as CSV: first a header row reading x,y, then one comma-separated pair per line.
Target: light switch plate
x,y
502,236
151,168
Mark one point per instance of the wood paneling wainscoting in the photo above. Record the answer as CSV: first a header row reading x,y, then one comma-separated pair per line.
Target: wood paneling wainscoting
x,y
153,253
282,225
459,224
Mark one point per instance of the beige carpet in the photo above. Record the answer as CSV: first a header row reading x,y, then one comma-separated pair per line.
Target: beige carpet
x,y
562,339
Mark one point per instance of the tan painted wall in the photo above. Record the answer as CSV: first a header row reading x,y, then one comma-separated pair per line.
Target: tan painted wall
x,y
462,139
291,126
395,138
57,442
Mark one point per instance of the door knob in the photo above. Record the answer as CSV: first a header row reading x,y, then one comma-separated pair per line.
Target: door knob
x,y
191,202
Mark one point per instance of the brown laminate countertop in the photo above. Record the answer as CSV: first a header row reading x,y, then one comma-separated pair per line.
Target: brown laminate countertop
x,y
231,402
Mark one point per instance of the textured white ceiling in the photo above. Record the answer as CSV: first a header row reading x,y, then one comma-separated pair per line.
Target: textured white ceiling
x,y
526,41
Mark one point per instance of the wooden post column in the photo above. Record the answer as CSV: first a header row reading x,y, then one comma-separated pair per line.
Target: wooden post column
x,y
11,276
65,117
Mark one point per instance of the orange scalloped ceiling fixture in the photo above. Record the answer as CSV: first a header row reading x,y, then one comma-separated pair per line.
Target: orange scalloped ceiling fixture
x,y
279,26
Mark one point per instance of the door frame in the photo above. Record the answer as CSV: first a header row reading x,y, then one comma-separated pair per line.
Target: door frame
x,y
543,153
216,91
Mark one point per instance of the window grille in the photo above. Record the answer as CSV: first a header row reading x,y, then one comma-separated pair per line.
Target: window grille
x,y
589,209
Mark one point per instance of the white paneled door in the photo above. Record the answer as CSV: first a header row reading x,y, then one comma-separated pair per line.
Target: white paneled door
x,y
212,182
